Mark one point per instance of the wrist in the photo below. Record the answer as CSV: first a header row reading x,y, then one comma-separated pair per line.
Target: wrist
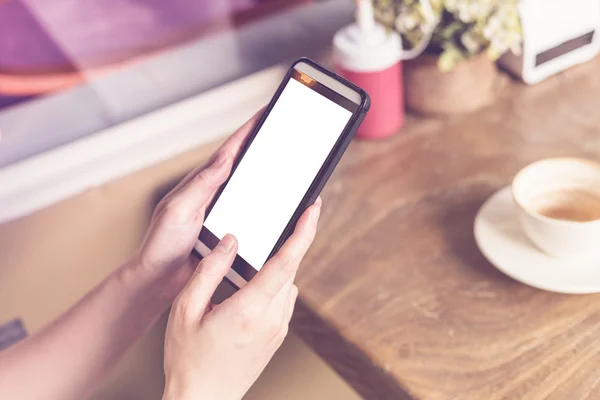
x,y
143,288
133,274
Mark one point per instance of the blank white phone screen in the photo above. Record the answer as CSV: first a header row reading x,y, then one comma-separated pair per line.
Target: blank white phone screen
x,y
277,170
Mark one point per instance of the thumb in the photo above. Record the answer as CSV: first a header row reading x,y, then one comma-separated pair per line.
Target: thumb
x,y
197,189
196,296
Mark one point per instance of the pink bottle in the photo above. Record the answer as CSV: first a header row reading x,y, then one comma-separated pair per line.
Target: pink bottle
x,y
364,53
386,115
367,55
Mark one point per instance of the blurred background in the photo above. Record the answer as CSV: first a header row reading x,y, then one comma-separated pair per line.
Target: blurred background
x,y
82,66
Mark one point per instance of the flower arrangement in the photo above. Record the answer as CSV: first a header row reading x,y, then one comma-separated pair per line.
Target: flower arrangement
x,y
461,28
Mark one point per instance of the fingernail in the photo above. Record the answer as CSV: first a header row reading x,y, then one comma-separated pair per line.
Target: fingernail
x,y
318,202
221,158
226,244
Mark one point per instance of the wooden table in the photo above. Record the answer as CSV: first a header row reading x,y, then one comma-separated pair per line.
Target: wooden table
x,y
395,294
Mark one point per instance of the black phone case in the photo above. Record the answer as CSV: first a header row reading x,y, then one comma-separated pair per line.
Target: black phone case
x,y
330,163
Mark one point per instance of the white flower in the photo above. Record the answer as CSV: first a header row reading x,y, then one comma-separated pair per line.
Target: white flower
x,y
406,22
493,27
470,10
514,40
504,41
464,13
451,5
479,9
410,22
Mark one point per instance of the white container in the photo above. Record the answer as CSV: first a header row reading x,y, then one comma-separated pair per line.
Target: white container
x,y
557,34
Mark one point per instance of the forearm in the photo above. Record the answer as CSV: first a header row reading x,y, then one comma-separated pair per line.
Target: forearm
x,y
69,358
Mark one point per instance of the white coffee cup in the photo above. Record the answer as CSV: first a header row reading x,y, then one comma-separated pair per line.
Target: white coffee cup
x,y
559,206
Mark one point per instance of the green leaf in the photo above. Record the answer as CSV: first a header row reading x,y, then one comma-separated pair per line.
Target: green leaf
x,y
449,57
451,29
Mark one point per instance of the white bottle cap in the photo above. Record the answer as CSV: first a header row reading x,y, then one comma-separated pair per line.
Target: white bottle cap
x,y
366,46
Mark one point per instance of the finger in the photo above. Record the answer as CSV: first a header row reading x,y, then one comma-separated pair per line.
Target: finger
x,y
232,146
189,177
193,198
195,297
282,266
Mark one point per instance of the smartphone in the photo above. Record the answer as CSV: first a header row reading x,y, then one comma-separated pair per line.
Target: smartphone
x,y
283,166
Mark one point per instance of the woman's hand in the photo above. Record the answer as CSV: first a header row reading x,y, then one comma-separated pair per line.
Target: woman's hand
x,y
165,258
216,352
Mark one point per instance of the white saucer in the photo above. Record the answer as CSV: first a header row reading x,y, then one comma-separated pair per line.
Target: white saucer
x,y
500,238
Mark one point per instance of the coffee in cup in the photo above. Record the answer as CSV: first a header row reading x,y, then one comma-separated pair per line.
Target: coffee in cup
x,y
577,205
559,205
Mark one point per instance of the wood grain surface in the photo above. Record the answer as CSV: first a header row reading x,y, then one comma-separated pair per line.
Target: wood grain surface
x,y
396,295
